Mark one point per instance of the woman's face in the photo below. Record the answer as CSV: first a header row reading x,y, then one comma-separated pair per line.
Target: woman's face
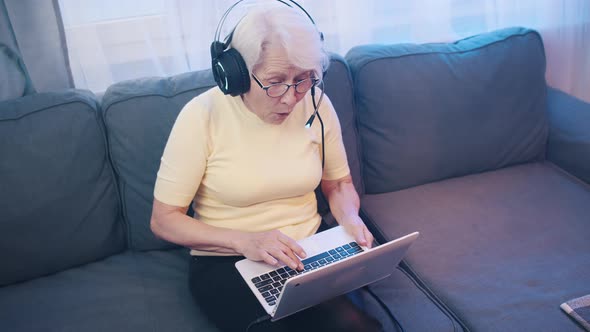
x,y
275,68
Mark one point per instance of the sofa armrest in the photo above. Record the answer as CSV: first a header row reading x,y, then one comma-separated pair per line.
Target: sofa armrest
x,y
569,133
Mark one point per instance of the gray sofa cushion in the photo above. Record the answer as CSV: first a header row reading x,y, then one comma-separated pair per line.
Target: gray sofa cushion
x,y
435,111
503,249
139,115
127,292
59,201
411,307
338,86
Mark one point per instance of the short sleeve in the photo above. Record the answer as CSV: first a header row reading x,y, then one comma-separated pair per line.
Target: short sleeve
x,y
336,163
185,156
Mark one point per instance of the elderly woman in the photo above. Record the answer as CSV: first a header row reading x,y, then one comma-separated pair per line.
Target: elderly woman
x,y
249,166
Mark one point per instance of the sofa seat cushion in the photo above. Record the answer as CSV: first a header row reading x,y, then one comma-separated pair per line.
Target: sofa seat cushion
x,y
502,249
127,292
410,306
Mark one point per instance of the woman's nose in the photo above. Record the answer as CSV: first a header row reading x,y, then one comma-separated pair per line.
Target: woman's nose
x,y
289,97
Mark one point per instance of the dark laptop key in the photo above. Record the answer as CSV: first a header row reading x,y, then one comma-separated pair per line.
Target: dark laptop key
x,y
273,273
272,303
322,261
329,259
288,269
256,280
292,273
354,250
280,288
281,270
282,282
264,277
265,288
270,299
306,267
266,294
276,284
277,278
263,283
344,254
339,249
315,264
337,256
284,276
274,291
354,244
332,252
346,246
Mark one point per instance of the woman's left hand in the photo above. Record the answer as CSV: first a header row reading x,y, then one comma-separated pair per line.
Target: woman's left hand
x,y
355,226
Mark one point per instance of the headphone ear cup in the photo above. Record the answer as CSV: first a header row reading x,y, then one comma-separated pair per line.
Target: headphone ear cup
x,y
242,76
230,72
216,67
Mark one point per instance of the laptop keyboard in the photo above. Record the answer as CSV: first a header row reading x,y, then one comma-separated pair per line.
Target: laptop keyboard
x,y
271,284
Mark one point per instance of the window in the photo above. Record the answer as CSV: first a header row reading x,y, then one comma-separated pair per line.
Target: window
x,y
111,40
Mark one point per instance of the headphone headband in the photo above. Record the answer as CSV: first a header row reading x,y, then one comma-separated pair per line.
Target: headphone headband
x,y
224,17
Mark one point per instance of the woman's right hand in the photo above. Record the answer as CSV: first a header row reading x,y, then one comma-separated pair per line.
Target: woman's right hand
x,y
271,247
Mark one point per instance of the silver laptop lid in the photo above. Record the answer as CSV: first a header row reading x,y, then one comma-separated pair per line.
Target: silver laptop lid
x,y
306,290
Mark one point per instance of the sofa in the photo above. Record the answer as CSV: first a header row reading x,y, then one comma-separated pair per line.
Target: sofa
x,y
463,142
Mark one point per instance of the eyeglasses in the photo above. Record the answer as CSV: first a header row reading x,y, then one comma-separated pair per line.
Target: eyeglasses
x,y
278,89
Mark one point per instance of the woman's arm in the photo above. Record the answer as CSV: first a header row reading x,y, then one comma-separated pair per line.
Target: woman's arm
x,y
344,204
172,224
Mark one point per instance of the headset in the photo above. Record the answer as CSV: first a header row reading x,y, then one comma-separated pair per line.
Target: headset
x,y
229,68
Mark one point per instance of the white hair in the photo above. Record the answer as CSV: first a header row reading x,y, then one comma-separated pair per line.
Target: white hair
x,y
274,24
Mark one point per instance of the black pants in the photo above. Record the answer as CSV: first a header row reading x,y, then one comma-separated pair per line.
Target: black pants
x,y
226,300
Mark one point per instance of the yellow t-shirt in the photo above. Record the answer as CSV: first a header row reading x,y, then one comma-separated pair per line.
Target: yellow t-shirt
x,y
242,173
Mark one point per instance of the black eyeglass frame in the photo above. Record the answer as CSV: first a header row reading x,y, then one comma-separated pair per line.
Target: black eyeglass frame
x,y
315,82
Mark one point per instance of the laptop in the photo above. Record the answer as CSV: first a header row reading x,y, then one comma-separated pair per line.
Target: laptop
x,y
335,265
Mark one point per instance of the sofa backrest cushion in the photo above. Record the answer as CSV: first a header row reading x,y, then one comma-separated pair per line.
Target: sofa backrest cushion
x,y
58,197
139,115
435,111
339,87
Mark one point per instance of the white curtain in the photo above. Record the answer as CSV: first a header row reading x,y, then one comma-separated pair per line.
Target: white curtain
x,y
113,40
